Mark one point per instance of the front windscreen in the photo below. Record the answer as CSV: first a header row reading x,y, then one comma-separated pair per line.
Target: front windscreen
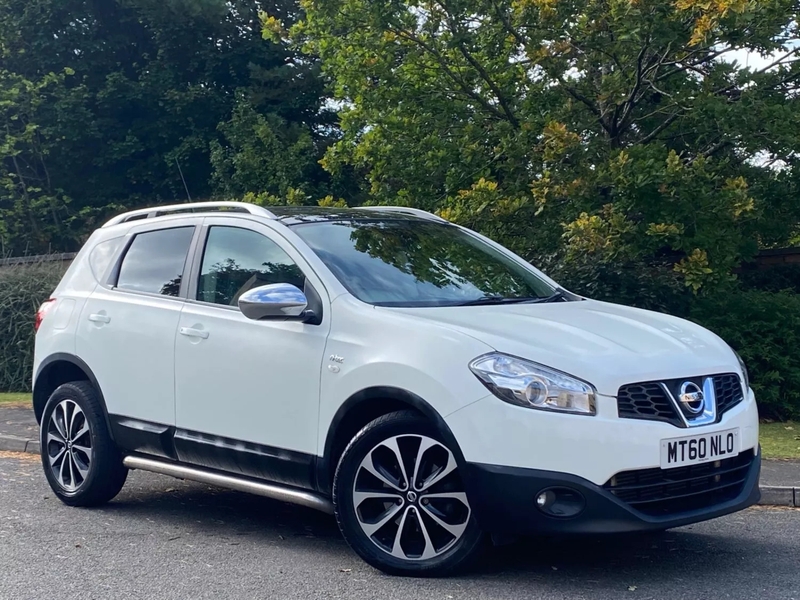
x,y
413,263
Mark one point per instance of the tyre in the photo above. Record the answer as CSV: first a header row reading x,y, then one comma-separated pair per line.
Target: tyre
x,y
81,462
400,500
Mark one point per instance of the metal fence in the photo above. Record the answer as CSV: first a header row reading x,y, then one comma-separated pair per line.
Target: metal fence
x,y
66,258
783,256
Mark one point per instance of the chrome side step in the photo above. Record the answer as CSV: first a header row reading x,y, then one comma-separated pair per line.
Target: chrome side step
x,y
269,490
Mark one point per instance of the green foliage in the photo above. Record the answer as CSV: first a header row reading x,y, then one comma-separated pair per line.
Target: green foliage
x,y
105,104
263,154
32,209
780,440
23,288
764,327
775,278
631,282
588,132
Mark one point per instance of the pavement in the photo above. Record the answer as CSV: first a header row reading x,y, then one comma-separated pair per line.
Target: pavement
x,y
19,431
780,479
167,539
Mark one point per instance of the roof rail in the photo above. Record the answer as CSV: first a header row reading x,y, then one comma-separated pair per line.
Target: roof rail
x,y
191,207
407,210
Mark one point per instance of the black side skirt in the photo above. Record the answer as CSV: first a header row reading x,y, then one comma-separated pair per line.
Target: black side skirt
x,y
249,459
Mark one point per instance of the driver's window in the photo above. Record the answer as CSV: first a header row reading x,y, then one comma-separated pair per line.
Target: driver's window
x,y
237,260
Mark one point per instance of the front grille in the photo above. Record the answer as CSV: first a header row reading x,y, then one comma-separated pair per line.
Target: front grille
x,y
662,492
647,401
650,401
728,390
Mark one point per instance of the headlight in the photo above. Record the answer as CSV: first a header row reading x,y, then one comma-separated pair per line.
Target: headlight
x,y
745,374
527,384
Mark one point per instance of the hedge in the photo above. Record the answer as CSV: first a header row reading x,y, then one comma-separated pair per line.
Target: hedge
x,y
764,327
22,290
775,278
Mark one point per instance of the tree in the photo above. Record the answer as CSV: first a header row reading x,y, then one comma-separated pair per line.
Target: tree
x,y
121,101
608,140
32,209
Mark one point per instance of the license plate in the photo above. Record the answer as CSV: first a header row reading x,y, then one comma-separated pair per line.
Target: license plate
x,y
698,449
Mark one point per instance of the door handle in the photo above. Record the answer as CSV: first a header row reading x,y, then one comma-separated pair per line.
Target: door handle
x,y
99,318
191,332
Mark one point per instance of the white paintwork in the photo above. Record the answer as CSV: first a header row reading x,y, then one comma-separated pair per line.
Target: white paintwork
x,y
210,369
605,344
390,348
77,284
127,339
255,381
595,448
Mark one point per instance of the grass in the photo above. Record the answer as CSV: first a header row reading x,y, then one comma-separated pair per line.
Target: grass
x,y
8,398
778,440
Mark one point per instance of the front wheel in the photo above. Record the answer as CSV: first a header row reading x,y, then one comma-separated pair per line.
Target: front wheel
x,y
400,500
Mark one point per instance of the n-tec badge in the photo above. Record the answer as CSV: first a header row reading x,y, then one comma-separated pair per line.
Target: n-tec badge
x,y
692,397
336,358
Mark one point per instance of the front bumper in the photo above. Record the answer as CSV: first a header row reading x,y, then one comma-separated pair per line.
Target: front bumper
x,y
494,432
503,500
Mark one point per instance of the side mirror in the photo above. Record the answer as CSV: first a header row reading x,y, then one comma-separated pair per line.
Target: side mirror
x,y
275,301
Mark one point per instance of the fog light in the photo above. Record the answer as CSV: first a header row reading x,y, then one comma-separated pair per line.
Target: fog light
x,y
560,502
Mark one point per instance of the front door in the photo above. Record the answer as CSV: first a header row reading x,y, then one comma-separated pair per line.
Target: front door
x,y
247,392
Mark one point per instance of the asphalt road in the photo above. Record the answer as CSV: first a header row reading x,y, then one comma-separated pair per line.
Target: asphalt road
x,y
163,538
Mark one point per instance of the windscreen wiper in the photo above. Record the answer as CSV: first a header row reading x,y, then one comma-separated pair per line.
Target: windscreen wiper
x,y
496,300
558,296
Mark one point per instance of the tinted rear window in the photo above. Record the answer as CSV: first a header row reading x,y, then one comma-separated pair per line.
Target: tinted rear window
x,y
155,261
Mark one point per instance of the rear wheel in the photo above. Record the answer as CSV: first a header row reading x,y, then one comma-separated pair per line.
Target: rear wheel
x,y
81,462
400,501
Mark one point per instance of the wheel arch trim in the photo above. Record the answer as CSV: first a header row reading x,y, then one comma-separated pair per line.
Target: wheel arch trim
x,y
325,466
59,357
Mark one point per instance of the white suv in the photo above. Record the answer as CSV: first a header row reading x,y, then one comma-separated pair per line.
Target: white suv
x,y
416,379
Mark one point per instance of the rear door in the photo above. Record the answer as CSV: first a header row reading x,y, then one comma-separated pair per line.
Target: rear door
x,y
126,332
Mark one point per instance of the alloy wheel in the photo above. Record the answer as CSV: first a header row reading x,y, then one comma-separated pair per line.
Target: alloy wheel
x,y
69,445
409,499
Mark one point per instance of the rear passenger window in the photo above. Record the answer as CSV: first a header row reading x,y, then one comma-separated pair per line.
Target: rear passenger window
x,y
237,260
155,261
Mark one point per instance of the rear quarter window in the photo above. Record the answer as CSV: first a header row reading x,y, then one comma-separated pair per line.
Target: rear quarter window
x,y
102,255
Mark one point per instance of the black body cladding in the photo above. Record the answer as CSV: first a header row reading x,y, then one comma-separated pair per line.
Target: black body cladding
x,y
295,469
